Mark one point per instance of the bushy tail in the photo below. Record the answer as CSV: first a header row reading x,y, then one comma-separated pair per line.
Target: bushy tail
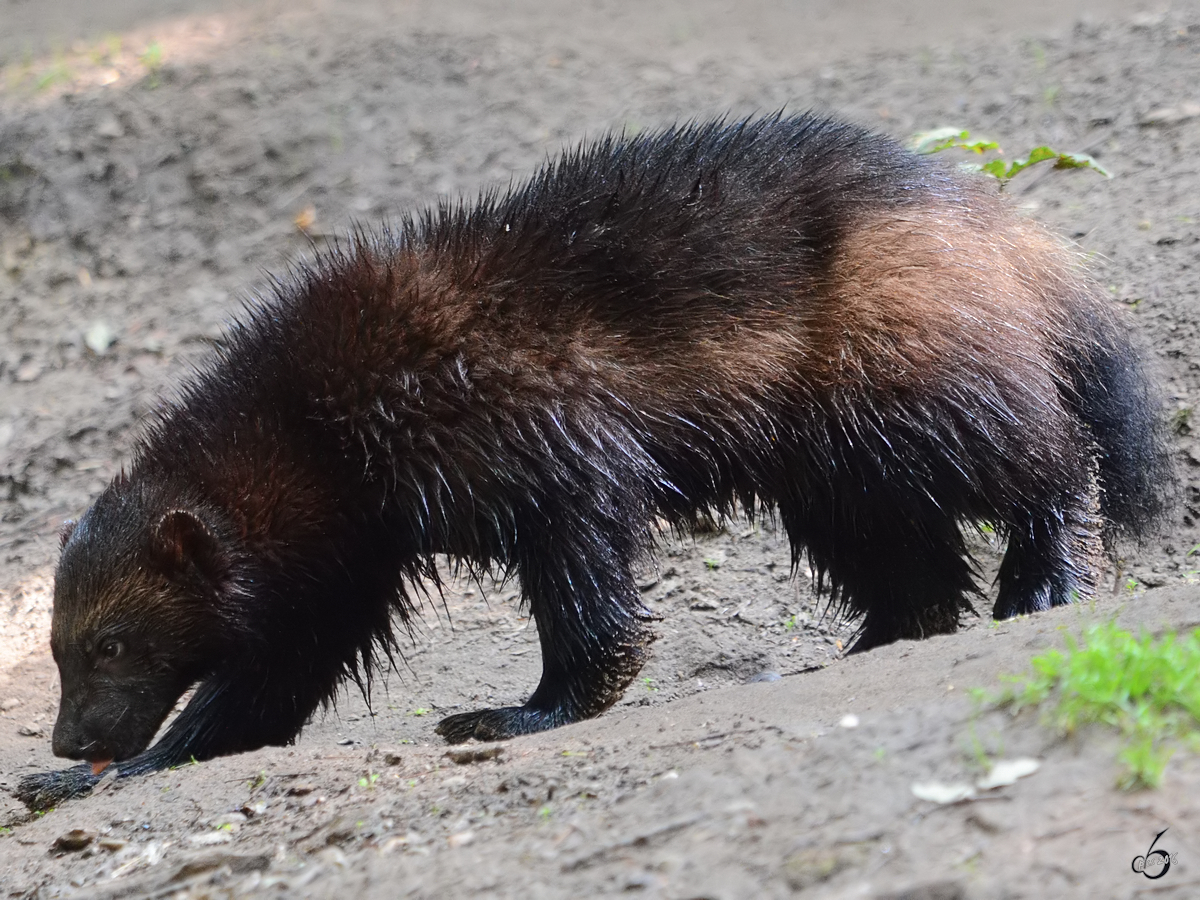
x,y
1115,398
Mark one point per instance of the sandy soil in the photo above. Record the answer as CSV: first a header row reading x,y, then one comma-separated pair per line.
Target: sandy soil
x,y
150,177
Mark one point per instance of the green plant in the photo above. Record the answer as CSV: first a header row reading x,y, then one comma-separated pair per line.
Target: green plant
x,y
58,72
941,139
152,60
1147,688
977,751
1181,421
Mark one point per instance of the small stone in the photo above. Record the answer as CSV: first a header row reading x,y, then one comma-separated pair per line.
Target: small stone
x,y
209,838
938,792
850,720
764,677
461,839
300,789
31,730
10,703
237,863
99,337
1171,115
110,127
231,821
703,603
332,856
411,839
475,754
1006,771
73,841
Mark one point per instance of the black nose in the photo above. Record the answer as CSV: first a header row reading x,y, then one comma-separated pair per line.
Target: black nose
x,y
65,741
69,741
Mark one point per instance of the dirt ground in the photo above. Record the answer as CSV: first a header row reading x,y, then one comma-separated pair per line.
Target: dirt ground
x,y
157,160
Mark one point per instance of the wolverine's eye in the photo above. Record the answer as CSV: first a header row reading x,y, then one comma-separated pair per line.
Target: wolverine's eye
x,y
110,650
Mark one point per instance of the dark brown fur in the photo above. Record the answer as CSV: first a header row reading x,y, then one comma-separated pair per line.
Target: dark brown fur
x,y
787,315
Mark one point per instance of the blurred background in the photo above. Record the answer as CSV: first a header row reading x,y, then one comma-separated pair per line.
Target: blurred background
x,y
791,32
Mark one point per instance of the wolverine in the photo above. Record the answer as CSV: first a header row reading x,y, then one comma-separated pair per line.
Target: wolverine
x,y
788,316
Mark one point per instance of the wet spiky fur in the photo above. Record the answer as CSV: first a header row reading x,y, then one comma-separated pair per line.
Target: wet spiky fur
x,y
784,314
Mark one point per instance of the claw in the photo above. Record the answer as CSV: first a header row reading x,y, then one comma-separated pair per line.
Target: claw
x,y
496,724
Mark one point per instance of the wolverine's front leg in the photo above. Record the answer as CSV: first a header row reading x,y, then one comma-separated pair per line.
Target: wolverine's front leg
x,y
241,708
593,632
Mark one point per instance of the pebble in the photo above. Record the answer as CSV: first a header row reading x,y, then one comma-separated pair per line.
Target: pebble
x,y
28,371
764,676
99,337
73,841
237,863
475,755
209,838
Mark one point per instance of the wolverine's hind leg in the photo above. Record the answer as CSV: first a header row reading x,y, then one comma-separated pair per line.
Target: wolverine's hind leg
x,y
904,570
592,628
1053,555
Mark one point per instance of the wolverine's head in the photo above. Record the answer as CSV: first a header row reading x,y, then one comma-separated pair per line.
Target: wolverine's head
x,y
135,622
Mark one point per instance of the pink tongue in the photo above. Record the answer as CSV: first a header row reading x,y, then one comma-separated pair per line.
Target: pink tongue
x,y
100,765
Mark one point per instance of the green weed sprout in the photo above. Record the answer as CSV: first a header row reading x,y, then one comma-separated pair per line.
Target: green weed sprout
x,y
152,60
1148,689
1003,170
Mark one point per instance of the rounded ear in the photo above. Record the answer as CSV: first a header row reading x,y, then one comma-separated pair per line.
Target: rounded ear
x,y
65,532
182,541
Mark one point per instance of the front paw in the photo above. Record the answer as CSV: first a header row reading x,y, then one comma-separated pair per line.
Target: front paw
x,y
495,724
44,790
